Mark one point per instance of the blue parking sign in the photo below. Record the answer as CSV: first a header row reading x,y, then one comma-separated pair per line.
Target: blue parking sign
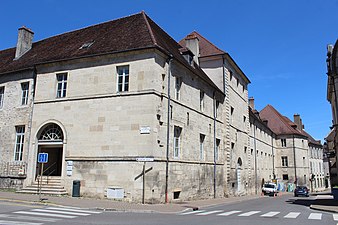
x,y
43,157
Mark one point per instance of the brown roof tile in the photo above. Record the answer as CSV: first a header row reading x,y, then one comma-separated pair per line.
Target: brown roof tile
x,y
206,47
125,34
278,123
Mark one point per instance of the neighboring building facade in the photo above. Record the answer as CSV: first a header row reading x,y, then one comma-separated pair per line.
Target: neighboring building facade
x,y
16,103
332,87
291,148
228,76
262,150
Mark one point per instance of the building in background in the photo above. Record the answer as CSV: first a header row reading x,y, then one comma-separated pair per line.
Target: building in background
x,y
332,88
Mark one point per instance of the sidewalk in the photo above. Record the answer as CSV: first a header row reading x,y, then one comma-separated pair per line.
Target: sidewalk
x,y
325,203
111,205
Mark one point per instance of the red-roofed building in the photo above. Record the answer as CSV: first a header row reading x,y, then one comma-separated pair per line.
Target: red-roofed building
x,y
101,101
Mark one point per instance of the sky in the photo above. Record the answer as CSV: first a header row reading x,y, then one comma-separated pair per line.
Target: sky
x,y
279,45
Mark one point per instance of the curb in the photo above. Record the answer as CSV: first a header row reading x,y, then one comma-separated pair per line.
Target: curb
x,y
315,207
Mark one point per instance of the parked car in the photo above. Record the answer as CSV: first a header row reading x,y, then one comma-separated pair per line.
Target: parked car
x,y
301,191
269,189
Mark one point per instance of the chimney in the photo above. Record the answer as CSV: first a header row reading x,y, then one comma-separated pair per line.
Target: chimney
x,y
252,102
298,121
25,40
192,42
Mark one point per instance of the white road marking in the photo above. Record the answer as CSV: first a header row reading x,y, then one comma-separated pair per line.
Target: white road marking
x,y
28,218
292,215
249,213
193,212
7,222
45,214
61,212
74,210
315,216
270,214
209,212
335,217
228,213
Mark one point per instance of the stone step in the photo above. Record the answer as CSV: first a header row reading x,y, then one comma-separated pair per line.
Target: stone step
x,y
46,186
45,192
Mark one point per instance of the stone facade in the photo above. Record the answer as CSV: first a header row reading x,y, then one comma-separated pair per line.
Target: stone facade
x,y
15,113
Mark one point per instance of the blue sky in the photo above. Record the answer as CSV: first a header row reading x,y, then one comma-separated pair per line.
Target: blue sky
x,y
280,45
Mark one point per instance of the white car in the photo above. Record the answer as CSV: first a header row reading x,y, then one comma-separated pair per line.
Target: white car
x,y
269,189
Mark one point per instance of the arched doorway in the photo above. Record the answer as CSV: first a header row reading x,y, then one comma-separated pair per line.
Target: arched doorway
x,y
50,140
239,179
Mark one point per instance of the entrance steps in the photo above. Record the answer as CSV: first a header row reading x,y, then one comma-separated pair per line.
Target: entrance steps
x,y
50,185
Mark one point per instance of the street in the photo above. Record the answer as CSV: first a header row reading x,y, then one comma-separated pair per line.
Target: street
x,y
279,210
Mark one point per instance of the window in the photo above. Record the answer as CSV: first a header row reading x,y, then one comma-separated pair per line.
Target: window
x,y
231,74
19,140
202,101
61,85
218,142
177,141
284,161
232,146
122,78
285,176
202,137
24,93
216,110
2,95
178,84
283,141
245,149
188,119
304,161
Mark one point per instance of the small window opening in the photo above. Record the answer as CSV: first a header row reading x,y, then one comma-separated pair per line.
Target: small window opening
x,y
177,194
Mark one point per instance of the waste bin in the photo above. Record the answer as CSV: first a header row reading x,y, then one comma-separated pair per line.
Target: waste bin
x,y
76,188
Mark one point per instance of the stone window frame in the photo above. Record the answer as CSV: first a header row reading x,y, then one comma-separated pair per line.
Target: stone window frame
x,y
202,96
2,96
285,161
218,144
178,86
122,76
19,142
24,93
283,141
201,148
177,141
61,86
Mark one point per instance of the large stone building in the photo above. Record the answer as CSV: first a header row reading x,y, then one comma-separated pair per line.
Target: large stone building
x,y
132,114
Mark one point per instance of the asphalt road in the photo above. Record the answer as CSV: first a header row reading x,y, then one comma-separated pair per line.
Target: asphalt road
x,y
265,210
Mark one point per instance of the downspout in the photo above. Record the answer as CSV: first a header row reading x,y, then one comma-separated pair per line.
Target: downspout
x,y
214,107
30,122
273,158
256,182
294,158
168,131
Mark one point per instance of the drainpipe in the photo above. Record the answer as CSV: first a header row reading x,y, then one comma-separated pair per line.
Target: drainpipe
x,y
273,159
294,158
168,131
256,183
214,106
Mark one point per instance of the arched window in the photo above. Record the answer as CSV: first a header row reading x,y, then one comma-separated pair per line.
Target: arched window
x,y
51,132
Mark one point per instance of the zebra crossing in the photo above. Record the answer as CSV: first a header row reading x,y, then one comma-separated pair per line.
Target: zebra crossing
x,y
40,216
238,213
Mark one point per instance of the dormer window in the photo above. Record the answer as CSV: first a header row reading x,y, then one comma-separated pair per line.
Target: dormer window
x,y
188,55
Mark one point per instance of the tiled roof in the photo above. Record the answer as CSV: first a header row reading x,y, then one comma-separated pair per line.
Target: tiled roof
x,y
311,140
129,33
206,47
278,123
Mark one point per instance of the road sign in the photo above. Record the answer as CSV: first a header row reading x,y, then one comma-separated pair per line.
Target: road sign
x,y
43,157
145,159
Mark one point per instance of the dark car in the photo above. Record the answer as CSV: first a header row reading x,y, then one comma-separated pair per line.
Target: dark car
x,y
301,191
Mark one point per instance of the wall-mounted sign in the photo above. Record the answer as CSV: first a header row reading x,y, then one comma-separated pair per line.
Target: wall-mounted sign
x,y
145,130
145,159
